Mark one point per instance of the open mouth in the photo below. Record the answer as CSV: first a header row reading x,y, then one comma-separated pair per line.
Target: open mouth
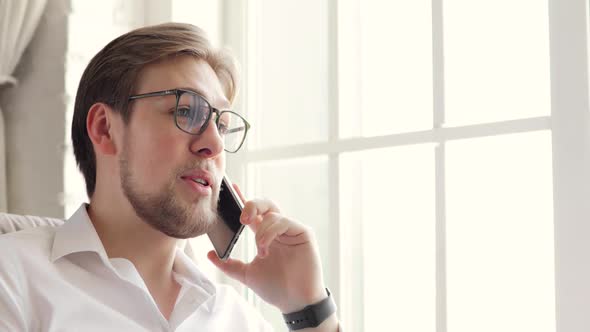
x,y
200,181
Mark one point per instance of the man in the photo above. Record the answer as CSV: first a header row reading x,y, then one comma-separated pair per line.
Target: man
x,y
150,140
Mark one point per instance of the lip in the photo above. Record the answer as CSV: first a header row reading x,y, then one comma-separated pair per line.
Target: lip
x,y
198,174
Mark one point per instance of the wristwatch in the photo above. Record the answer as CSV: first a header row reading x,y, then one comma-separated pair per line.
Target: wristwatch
x,y
312,315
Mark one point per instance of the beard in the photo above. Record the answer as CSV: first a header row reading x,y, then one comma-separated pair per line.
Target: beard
x,y
164,211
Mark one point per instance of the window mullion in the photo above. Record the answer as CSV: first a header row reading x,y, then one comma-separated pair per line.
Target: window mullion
x,y
419,137
438,108
333,161
570,119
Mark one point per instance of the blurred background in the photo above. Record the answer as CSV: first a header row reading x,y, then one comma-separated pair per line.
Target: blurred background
x,y
439,148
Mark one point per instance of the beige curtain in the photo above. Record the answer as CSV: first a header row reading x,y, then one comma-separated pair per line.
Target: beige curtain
x,y
18,21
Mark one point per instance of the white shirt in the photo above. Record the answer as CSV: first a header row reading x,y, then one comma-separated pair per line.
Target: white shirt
x,y
61,279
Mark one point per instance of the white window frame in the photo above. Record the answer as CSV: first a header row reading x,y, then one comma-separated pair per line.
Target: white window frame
x,y
570,123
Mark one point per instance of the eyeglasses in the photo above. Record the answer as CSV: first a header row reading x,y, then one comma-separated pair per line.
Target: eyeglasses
x,y
193,112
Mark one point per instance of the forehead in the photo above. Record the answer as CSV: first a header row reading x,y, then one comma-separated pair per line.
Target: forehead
x,y
185,72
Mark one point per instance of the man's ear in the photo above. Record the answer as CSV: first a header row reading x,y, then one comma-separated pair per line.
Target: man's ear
x,y
99,125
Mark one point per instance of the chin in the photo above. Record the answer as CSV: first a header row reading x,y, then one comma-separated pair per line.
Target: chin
x,y
200,217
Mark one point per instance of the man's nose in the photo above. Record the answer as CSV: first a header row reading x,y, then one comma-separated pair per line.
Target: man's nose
x,y
209,143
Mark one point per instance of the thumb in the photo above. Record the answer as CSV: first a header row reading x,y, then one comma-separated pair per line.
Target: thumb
x,y
231,267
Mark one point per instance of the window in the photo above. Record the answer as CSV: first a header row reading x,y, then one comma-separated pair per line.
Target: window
x,y
420,140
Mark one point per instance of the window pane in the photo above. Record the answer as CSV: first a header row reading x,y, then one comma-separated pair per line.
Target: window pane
x,y
500,234
300,189
496,60
385,56
392,191
291,64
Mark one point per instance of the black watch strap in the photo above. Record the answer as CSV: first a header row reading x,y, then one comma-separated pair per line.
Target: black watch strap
x,y
312,315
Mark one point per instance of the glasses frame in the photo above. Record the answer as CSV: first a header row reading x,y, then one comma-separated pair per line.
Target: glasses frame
x,y
180,92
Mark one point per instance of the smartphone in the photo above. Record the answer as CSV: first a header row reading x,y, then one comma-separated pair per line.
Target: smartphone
x,y
227,229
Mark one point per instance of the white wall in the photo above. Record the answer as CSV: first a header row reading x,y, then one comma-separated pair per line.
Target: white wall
x,y
34,112
42,176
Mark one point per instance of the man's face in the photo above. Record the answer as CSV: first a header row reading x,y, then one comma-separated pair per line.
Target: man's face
x,y
160,165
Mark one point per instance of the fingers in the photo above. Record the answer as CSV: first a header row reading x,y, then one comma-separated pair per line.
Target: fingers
x,y
264,218
276,227
232,267
270,227
255,210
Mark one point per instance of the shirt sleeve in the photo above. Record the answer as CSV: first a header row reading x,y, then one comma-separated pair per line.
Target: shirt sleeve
x,y
11,310
249,315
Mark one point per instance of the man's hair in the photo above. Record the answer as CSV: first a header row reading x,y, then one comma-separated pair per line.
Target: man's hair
x,y
111,76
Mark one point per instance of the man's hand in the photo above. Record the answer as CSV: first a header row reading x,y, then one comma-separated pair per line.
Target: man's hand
x,y
287,272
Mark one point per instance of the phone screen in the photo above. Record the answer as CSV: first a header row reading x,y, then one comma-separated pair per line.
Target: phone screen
x,y
226,230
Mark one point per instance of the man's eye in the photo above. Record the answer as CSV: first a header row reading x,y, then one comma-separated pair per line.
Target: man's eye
x,y
222,128
183,111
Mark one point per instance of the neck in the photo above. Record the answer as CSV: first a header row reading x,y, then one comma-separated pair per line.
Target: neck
x,y
124,235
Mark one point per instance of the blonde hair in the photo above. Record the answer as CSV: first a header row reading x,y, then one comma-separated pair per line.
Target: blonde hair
x,y
111,76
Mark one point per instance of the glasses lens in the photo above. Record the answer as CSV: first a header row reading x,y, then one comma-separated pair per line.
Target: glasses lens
x,y
192,112
232,128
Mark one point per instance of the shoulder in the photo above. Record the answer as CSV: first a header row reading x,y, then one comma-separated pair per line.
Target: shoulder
x,y
22,247
32,239
22,253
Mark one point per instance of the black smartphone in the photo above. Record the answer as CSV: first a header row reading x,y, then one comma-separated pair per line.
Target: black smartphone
x,y
227,229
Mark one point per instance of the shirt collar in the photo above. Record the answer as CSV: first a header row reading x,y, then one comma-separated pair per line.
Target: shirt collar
x,y
186,270
77,234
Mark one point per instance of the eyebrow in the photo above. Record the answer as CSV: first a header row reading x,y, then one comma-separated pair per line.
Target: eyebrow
x,y
200,92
